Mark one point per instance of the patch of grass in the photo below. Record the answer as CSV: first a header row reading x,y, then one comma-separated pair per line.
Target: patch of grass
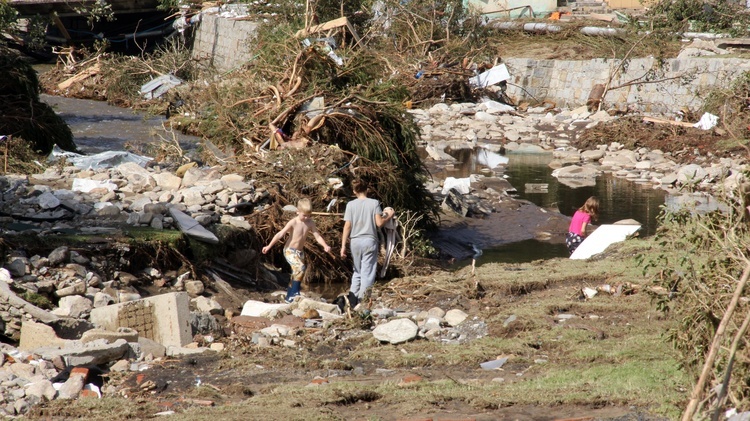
x,y
630,382
38,300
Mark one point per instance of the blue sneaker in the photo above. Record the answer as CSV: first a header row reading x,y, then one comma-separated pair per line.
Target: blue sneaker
x,y
293,291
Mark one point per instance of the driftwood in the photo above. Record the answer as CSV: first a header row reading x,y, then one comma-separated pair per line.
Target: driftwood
x,y
331,24
227,289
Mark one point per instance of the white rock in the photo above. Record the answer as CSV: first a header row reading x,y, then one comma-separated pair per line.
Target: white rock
x,y
207,305
396,331
42,389
455,317
256,308
73,306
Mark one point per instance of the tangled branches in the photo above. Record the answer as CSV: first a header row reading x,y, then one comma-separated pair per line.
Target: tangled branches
x,y
24,116
704,275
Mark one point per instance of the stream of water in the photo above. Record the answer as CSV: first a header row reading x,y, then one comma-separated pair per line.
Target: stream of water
x,y
99,127
619,199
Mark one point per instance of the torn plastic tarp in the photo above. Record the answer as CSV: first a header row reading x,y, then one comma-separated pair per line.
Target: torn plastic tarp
x,y
159,86
462,185
106,159
324,46
313,107
192,228
493,76
85,185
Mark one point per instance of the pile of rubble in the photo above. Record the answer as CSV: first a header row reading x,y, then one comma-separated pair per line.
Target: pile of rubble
x,y
72,197
101,326
270,324
497,127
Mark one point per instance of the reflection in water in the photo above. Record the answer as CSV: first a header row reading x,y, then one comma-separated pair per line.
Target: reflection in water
x,y
519,252
490,159
619,199
697,202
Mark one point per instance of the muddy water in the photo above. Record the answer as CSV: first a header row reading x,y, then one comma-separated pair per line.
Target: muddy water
x,y
620,199
99,127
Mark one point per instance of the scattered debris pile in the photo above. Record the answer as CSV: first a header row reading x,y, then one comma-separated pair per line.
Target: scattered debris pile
x,y
96,333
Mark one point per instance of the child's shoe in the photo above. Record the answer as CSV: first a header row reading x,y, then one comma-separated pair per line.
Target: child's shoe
x,y
293,291
353,300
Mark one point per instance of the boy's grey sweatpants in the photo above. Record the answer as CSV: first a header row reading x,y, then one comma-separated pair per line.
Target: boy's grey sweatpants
x,y
365,258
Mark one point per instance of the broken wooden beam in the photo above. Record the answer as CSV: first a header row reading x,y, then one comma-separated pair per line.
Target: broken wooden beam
x,y
663,121
331,24
82,75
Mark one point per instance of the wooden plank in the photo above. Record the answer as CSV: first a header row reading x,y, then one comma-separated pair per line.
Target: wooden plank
x,y
331,24
88,72
663,121
602,17
354,32
60,26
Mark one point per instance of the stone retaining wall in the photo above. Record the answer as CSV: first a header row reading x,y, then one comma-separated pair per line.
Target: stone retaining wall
x,y
686,81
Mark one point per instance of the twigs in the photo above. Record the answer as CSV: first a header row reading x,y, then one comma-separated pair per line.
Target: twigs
x,y
715,346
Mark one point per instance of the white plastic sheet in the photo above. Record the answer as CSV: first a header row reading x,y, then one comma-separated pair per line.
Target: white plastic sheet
x,y
462,185
106,159
493,76
707,122
602,238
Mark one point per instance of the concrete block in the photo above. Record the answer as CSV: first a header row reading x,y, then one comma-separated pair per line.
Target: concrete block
x,y
37,335
178,351
154,348
163,318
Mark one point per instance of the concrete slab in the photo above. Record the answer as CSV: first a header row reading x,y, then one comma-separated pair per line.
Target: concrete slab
x,y
163,318
35,335
92,353
126,333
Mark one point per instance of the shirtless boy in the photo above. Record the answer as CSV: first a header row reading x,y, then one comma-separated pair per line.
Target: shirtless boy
x,y
294,248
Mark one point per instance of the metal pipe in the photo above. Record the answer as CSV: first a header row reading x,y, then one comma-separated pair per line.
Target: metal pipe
x,y
541,27
704,35
505,25
599,31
